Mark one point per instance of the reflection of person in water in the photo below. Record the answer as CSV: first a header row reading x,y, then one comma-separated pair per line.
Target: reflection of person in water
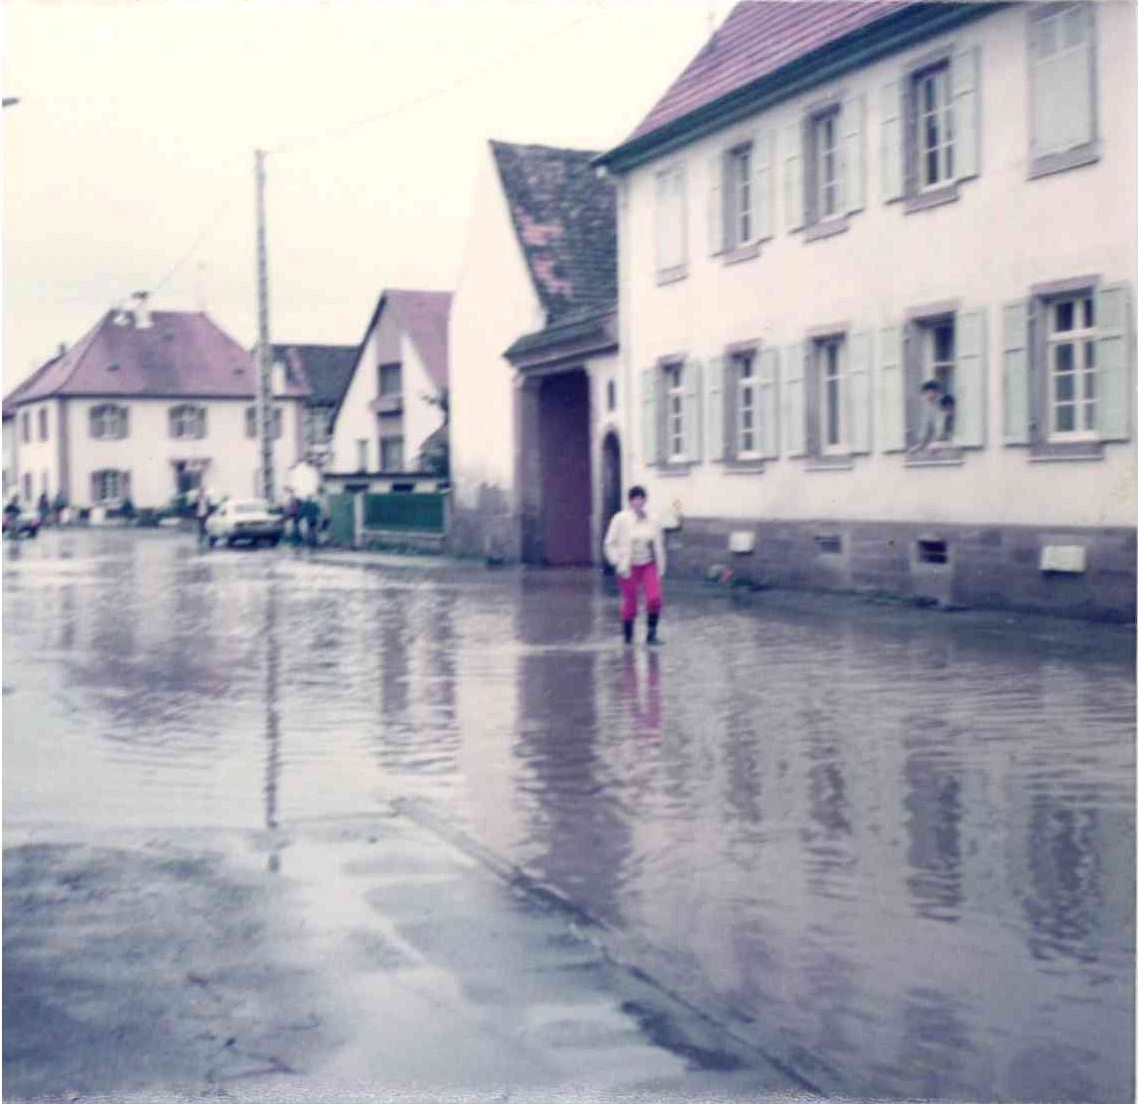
x,y
646,713
634,545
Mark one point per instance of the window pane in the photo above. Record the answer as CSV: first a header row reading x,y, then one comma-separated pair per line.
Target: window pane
x,y
1089,311
1064,316
1088,385
1065,357
1065,419
1074,27
1064,387
943,343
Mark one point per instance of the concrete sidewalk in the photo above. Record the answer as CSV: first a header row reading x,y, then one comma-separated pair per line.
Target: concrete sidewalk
x,y
350,960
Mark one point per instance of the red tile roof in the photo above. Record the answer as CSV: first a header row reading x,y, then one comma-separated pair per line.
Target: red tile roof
x,y
180,354
758,38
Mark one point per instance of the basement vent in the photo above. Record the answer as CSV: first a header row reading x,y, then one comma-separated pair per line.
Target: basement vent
x,y
1063,559
932,551
830,543
112,367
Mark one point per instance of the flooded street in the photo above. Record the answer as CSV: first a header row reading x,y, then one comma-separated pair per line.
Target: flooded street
x,y
902,841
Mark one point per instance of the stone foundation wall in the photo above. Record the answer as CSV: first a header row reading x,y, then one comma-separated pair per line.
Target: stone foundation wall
x,y
995,567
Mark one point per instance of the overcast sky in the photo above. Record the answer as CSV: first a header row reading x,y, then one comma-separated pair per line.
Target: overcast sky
x,y
137,122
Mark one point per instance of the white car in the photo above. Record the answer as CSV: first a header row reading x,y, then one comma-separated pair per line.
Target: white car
x,y
251,520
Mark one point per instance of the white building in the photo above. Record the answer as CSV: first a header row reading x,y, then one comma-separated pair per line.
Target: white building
x,y
394,401
149,405
534,395
832,205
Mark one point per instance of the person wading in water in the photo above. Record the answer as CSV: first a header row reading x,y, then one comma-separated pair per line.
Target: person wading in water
x,y
634,545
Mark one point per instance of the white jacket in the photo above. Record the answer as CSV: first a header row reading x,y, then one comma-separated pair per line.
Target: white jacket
x,y
618,543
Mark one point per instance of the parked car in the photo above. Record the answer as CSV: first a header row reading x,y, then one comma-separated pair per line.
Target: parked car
x,y
251,520
25,523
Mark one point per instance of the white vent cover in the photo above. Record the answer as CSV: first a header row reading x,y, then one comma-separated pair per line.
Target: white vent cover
x,y
742,540
1071,559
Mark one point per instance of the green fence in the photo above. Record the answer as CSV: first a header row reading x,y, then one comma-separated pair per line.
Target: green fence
x,y
342,519
420,513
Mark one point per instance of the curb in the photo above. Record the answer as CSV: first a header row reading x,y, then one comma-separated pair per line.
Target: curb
x,y
650,965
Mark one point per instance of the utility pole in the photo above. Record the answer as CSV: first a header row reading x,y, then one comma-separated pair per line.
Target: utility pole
x,y
264,349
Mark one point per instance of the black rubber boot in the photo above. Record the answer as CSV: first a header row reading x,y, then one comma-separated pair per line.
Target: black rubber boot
x,y
653,621
627,627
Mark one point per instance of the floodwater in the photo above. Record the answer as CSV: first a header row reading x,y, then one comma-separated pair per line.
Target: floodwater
x,y
902,840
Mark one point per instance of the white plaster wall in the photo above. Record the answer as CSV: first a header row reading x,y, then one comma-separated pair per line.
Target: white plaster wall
x,y
9,456
38,458
355,422
1004,234
147,453
420,418
494,304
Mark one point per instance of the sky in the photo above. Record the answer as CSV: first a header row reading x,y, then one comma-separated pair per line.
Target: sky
x,y
128,163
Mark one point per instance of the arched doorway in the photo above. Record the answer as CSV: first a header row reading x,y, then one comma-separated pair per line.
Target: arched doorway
x,y
611,492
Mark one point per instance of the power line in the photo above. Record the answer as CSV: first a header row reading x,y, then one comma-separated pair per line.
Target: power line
x,y
221,209
426,97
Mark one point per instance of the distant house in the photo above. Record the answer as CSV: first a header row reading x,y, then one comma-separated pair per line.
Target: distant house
x,y
395,399
328,370
148,405
839,214
535,398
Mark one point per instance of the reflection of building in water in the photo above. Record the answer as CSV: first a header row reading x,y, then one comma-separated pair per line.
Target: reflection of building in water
x,y
934,1038
933,773
1064,905
272,723
579,838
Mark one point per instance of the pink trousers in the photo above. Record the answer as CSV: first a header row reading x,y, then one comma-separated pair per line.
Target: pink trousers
x,y
642,575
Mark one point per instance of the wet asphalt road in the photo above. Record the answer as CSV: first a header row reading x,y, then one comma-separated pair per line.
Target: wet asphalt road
x,y
903,840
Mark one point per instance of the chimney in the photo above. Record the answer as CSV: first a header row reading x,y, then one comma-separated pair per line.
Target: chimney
x,y
141,310
62,348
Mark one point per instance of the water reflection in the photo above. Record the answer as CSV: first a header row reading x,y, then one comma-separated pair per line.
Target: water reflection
x,y
272,723
1066,898
933,773
873,830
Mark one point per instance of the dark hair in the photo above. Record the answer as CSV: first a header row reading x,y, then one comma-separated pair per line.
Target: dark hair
x,y
930,385
637,492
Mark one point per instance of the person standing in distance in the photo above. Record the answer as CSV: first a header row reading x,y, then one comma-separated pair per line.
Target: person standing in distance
x,y
634,545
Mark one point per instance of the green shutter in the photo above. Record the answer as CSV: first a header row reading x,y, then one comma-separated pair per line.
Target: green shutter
x,y
1114,355
971,383
693,410
853,159
716,211
892,153
1017,374
792,173
762,193
860,394
891,392
715,409
966,112
649,436
768,403
794,401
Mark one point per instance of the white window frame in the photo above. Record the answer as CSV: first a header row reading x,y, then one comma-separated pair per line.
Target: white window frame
x,y
742,230
187,422
940,73
746,402
108,422
383,464
840,380
252,429
104,477
395,364
1082,338
675,431
827,120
